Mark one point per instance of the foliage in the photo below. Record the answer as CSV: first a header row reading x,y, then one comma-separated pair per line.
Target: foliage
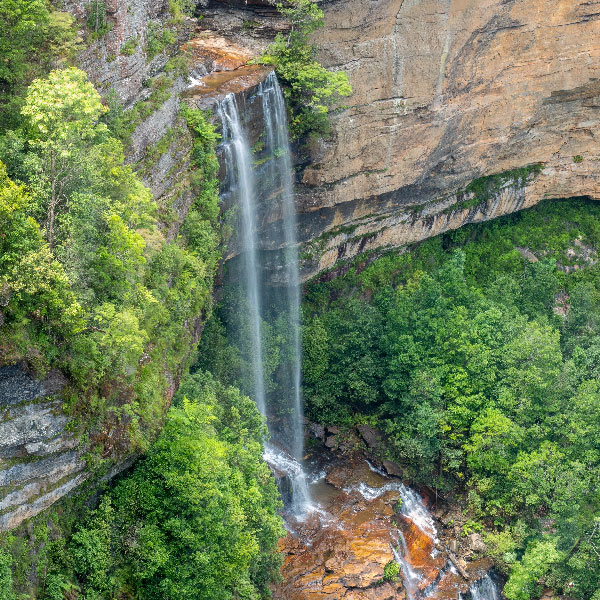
x,y
158,39
97,22
129,47
480,365
196,519
6,579
310,90
101,294
391,571
31,37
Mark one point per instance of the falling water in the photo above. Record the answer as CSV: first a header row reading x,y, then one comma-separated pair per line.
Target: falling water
x,y
280,168
286,302
239,170
409,575
484,589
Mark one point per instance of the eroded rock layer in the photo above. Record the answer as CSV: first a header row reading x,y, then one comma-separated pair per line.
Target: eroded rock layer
x,y
445,92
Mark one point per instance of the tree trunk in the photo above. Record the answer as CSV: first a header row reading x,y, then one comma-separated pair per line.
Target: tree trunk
x,y
53,202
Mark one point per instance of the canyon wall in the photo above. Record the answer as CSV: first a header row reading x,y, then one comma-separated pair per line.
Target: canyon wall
x,y
446,92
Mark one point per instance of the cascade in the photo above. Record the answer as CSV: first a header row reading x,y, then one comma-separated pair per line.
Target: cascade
x,y
241,179
410,576
267,304
484,589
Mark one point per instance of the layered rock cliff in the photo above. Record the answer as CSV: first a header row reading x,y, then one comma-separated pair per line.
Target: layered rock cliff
x,y
446,92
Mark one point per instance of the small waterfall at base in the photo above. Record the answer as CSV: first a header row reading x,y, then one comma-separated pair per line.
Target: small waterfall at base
x,y
278,303
409,575
483,589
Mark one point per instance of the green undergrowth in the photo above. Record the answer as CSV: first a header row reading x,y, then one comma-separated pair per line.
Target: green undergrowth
x,y
476,353
195,518
88,281
483,189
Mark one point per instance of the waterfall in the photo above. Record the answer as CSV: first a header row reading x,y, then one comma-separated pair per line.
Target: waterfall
x,y
484,589
409,575
280,169
241,178
270,305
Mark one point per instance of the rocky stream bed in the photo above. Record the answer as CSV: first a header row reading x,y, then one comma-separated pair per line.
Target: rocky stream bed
x,y
364,522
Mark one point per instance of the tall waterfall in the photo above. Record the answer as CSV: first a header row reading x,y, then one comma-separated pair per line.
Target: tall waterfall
x,y
241,177
265,306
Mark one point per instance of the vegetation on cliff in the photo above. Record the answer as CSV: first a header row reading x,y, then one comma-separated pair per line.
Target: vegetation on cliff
x,y
311,91
99,280
196,518
89,282
477,354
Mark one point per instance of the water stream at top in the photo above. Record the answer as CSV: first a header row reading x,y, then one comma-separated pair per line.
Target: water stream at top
x,y
273,303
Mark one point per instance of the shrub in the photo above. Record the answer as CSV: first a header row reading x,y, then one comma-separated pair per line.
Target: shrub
x,y
310,90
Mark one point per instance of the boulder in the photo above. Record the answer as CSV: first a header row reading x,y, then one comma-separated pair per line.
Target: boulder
x,y
371,436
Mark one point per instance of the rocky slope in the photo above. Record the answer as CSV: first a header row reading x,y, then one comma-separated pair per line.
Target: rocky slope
x,y
445,92
374,538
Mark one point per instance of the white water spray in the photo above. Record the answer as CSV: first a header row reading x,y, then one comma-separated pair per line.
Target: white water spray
x,y
410,577
484,589
242,182
241,178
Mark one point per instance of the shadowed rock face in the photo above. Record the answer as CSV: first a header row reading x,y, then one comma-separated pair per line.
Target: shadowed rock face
x,y
447,91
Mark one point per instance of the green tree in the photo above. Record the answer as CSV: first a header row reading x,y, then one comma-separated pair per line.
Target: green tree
x,y
310,89
31,36
37,304
197,519
62,113
523,583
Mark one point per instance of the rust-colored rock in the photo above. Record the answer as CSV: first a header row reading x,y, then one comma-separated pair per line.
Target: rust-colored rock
x,y
341,552
222,53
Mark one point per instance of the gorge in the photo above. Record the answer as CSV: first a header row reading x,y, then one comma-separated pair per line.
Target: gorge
x,y
346,249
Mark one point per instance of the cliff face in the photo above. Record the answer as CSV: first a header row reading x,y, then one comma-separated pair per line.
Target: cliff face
x,y
445,92
42,449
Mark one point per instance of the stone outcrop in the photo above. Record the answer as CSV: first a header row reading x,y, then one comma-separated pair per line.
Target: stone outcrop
x,y
39,460
445,92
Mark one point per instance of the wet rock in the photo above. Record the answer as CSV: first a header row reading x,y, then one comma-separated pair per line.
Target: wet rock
x,y
392,468
341,553
316,431
331,441
343,558
333,429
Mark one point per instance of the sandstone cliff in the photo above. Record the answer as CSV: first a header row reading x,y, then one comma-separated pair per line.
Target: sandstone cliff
x,y
445,92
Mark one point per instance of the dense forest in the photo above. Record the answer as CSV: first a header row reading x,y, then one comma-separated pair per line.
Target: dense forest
x,y
477,354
